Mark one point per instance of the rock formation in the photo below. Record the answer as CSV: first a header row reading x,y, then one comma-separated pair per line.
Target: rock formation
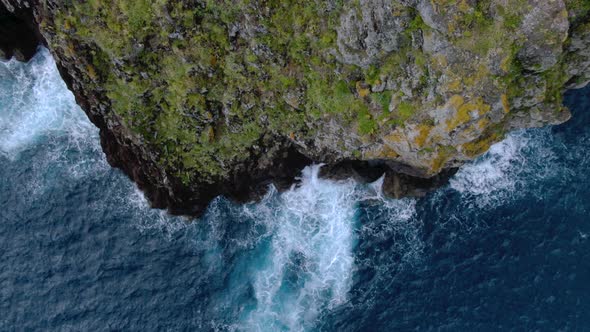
x,y
198,98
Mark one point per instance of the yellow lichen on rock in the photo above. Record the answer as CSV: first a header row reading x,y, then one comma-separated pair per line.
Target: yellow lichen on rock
x,y
464,6
443,154
479,146
210,134
423,133
440,61
385,152
70,50
362,89
91,72
465,111
456,101
483,123
505,103
455,85
394,137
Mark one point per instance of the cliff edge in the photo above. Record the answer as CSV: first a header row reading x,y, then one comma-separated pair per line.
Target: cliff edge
x,y
199,98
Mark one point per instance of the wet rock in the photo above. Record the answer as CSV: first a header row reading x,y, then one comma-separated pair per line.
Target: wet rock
x,y
399,185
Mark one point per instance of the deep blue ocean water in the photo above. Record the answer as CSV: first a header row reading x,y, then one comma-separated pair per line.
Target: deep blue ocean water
x,y
505,246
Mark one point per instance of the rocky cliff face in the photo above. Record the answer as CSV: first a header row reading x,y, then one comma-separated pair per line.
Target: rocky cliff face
x,y
197,98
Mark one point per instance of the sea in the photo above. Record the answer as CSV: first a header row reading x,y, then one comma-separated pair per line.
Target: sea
x,y
505,246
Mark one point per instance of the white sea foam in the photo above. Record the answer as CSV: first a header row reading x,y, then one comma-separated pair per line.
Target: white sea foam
x,y
34,102
499,175
312,231
310,260
147,218
35,107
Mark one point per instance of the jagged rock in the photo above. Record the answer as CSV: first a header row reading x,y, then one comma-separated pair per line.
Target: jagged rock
x,y
545,28
578,62
370,30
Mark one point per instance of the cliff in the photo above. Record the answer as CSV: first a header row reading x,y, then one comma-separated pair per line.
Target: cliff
x,y
196,99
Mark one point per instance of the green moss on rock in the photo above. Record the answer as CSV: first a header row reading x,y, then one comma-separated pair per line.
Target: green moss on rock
x,y
201,82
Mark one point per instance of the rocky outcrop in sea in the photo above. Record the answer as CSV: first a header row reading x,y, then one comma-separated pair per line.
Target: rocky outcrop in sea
x,y
196,99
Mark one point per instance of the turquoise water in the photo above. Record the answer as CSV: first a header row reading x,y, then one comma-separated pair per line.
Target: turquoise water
x,y
503,246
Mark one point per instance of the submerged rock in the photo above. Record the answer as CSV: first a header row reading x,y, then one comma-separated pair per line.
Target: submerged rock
x,y
196,99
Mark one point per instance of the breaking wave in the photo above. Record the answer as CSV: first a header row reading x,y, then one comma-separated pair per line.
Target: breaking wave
x,y
511,169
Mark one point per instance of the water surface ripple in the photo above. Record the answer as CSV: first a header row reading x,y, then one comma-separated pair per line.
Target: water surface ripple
x,y
504,246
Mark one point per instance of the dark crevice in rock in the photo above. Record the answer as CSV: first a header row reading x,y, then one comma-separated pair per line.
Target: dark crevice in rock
x,y
19,34
396,184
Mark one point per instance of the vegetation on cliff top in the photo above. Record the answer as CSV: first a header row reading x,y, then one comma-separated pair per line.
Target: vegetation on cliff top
x,y
201,82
